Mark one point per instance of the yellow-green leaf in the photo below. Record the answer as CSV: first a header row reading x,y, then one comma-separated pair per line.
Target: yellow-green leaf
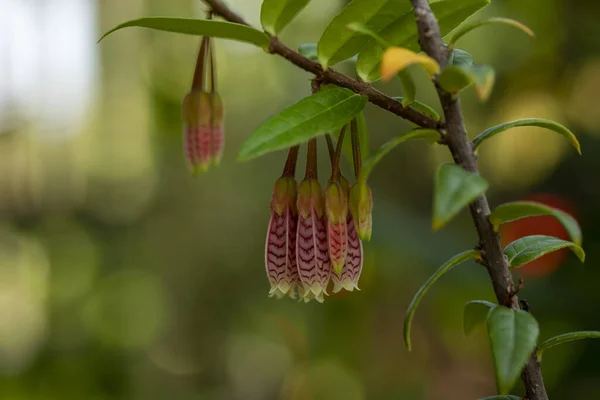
x,y
455,188
395,59
456,78
522,209
475,314
542,123
469,27
277,14
199,27
529,248
412,308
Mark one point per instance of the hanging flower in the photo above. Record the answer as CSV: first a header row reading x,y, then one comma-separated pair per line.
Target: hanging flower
x,y
203,114
280,248
312,254
350,273
336,206
361,207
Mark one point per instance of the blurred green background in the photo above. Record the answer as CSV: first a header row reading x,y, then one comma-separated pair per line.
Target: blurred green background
x,y
123,277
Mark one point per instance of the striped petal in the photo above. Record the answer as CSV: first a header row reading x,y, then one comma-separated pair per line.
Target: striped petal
x,y
280,258
217,143
350,275
337,237
312,256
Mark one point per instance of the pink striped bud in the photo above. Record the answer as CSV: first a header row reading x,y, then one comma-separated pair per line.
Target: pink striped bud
x,y
350,274
336,207
361,206
197,130
312,255
216,125
280,248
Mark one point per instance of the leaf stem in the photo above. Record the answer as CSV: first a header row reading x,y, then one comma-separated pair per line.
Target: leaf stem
x,y
335,162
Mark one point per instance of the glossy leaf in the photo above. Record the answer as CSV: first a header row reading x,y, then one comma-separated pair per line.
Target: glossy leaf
x,y
339,43
409,90
461,58
565,338
507,397
309,50
429,135
199,27
395,59
277,14
455,188
403,32
513,335
522,209
476,312
327,110
422,107
469,27
529,248
456,78
412,308
542,123
363,30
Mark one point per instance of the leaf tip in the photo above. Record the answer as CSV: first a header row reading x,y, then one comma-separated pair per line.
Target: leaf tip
x,y
437,224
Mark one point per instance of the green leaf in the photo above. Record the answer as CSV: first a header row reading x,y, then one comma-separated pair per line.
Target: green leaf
x,y
469,27
476,312
363,30
430,135
507,397
339,43
455,188
522,209
277,14
412,308
461,58
327,110
363,138
528,248
565,338
402,32
542,123
422,107
513,335
456,78
409,89
199,27
309,50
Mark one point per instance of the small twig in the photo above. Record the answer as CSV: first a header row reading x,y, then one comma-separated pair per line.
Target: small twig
x,y
331,75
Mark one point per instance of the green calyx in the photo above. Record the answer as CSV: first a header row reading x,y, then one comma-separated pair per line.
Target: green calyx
x,y
285,193
310,196
197,108
361,206
336,202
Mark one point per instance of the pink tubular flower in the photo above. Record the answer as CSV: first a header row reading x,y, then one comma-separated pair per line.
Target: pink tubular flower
x,y
361,206
350,274
197,130
280,249
312,255
336,206
216,127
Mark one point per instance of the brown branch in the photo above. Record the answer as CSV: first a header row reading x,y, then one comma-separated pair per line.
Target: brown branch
x,y
330,75
457,141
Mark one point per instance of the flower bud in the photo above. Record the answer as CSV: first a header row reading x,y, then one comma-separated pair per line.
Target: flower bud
x,y
280,248
197,130
350,274
216,125
336,207
312,254
361,206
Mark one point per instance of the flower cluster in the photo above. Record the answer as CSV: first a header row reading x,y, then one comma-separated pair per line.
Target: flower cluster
x,y
314,238
203,115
